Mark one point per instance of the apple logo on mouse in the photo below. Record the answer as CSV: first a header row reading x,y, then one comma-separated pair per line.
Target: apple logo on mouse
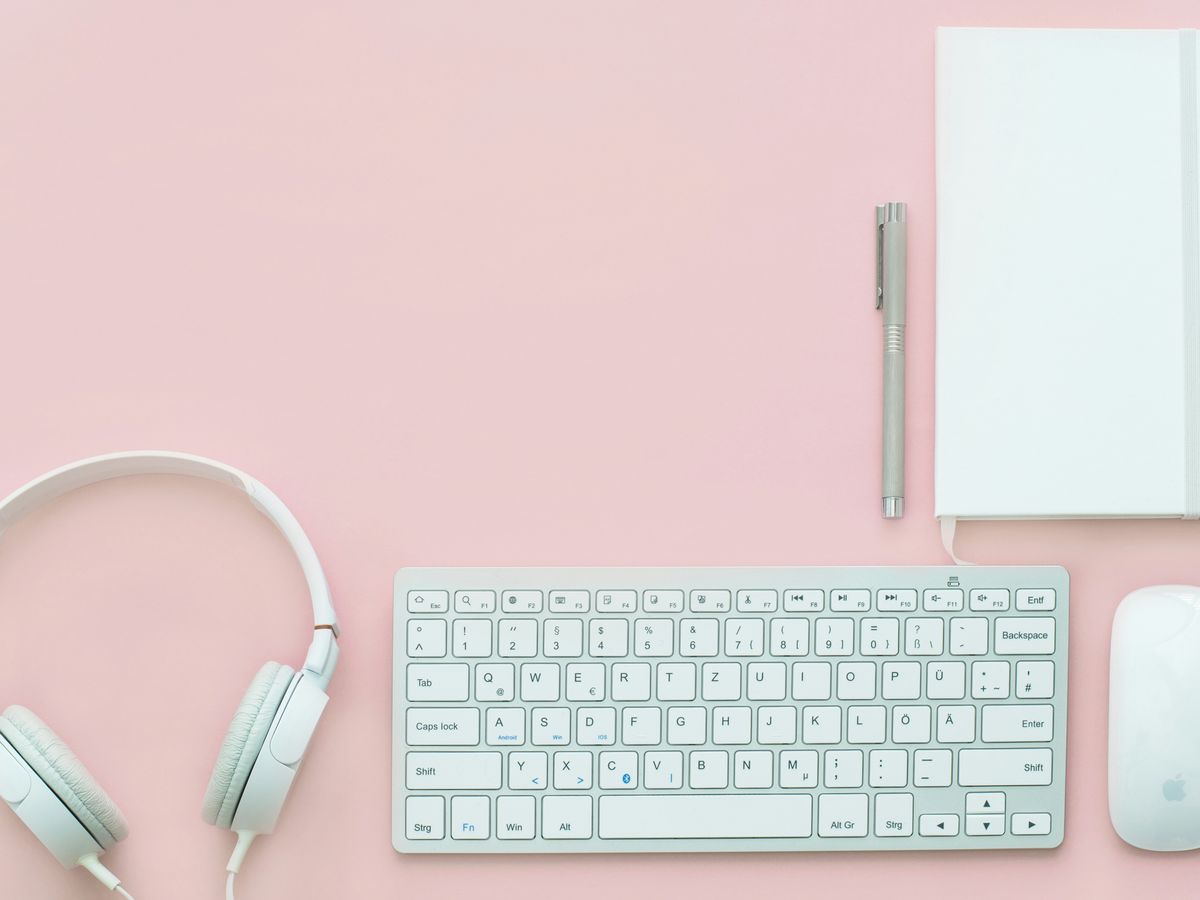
x,y
1173,789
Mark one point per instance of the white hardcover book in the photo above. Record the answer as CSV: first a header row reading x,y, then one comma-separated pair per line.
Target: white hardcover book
x,y
1068,272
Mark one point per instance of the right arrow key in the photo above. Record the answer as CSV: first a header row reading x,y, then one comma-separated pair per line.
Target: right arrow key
x,y
1031,823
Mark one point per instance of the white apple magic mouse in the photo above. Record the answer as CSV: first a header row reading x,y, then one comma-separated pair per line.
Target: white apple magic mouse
x,y
1154,718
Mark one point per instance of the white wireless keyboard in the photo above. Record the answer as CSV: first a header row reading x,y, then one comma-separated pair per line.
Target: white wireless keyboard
x,y
638,710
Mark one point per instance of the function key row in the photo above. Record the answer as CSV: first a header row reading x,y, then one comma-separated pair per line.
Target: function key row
x,y
754,600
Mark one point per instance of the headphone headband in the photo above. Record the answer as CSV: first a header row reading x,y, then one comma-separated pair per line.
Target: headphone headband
x,y
323,654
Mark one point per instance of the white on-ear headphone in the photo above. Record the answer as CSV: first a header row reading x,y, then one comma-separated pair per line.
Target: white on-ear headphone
x,y
56,797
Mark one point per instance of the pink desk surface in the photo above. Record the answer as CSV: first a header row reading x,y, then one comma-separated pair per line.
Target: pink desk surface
x,y
505,283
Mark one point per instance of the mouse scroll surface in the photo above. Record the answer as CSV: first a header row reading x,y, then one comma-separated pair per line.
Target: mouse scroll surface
x,y
1154,719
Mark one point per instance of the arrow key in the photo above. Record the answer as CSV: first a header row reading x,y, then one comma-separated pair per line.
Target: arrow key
x,y
938,825
1031,823
985,825
989,803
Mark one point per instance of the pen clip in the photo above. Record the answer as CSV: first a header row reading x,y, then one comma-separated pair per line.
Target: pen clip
x,y
880,218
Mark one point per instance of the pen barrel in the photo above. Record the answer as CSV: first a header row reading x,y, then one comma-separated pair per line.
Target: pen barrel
x,y
893,413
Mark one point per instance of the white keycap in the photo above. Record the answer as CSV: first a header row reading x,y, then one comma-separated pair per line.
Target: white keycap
x,y
505,725
706,816
893,815
991,600
521,601
989,680
856,681
943,600
938,825
662,601
1035,680
821,724
616,601
595,726
472,637
662,769
527,771
550,725
429,771
585,681
1002,767
514,818
879,637
803,600
901,681
843,768
708,770
834,637
517,637
923,637
641,726
570,601
618,770
631,681
1034,601
931,768
910,724
474,601
572,770
699,637
849,601
1031,823
426,638
743,637
470,818
494,681
437,681
946,680
653,637
896,600
757,601
866,724
562,637
608,637
1023,723
425,818
566,818
842,815
812,681
686,725
540,681
430,725
985,803
1026,636
798,768
731,724
428,601
789,637
982,826
955,724
709,601
777,724
887,768
766,681
721,681
676,681
969,636
753,769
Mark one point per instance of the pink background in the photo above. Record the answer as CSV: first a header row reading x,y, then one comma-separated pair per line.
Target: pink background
x,y
498,283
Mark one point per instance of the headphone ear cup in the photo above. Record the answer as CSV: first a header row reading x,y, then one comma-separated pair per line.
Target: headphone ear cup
x,y
244,741
49,756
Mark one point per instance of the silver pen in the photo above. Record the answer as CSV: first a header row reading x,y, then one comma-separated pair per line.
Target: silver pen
x,y
891,275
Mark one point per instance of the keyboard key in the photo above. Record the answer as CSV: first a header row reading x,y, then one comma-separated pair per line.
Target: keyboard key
x,y
945,680
753,769
470,818
493,681
931,768
616,601
653,637
1028,636
743,637
437,681
856,681
566,818
1003,767
985,802
608,637
563,637
429,771
893,815
425,818
910,724
789,637
923,637
663,769
428,601
572,771
887,768
472,637
515,818
721,681
699,637
641,726
517,637
662,601
706,816
709,601
474,601
540,682
686,725
776,725
426,638
505,726
901,681
955,724
676,681
585,681
992,600
708,770
938,825
731,724
433,725
1018,723
798,768
766,681
985,826
803,601
812,681
989,680
843,768
527,771
898,600
835,637
595,726
969,636
757,601
849,601
521,601
550,726
570,601
879,637
618,770
942,600
842,815
1035,601
866,724
822,724
631,681
1035,680
1031,823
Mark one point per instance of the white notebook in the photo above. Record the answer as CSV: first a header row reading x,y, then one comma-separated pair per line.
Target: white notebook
x,y
1068,274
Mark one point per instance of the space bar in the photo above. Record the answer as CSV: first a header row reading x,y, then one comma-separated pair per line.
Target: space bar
x,y
706,816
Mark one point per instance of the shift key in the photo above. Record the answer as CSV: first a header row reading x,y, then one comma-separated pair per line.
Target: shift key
x,y
1000,768
451,771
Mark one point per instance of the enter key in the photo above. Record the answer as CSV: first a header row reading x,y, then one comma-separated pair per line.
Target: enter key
x,y
1011,723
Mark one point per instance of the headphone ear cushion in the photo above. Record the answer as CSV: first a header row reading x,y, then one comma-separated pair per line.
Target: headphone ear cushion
x,y
62,771
244,741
